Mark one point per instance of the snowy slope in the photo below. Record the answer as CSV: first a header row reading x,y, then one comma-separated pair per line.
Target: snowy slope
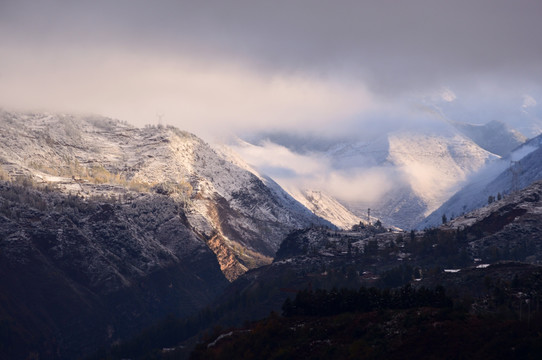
x,y
239,215
494,136
287,199
403,173
518,170
327,208
318,202
435,164
428,168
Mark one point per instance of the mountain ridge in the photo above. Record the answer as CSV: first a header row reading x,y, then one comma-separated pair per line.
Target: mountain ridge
x,y
245,218
420,167
512,173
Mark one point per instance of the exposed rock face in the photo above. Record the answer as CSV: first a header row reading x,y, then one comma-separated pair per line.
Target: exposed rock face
x,y
77,274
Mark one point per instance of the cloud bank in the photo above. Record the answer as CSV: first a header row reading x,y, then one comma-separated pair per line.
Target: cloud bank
x,y
247,63
318,171
205,99
388,44
320,70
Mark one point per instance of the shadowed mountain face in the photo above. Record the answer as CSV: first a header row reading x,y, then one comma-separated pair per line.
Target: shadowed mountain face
x,y
487,260
79,273
507,230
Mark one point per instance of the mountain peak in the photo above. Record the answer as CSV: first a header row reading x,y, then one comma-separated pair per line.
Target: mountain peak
x,y
242,216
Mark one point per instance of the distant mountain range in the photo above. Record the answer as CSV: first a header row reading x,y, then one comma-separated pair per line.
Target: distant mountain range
x,y
425,166
494,136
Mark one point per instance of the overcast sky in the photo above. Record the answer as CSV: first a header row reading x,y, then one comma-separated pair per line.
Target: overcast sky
x,y
250,64
240,67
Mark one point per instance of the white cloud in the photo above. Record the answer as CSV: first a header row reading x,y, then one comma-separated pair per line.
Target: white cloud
x,y
363,185
316,171
528,101
208,98
447,95
280,161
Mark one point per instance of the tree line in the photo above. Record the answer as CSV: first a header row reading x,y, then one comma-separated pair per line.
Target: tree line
x,y
322,302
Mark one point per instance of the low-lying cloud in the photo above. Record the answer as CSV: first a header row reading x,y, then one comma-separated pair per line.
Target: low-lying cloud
x,y
237,65
318,171
209,99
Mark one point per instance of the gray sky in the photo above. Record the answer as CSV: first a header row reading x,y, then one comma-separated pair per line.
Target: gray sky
x,y
247,63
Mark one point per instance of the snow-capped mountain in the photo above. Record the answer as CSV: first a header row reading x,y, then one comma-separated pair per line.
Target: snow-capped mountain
x,y
241,217
504,176
435,166
106,228
403,175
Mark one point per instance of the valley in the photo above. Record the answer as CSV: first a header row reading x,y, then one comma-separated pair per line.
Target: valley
x,y
147,238
412,171
253,180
